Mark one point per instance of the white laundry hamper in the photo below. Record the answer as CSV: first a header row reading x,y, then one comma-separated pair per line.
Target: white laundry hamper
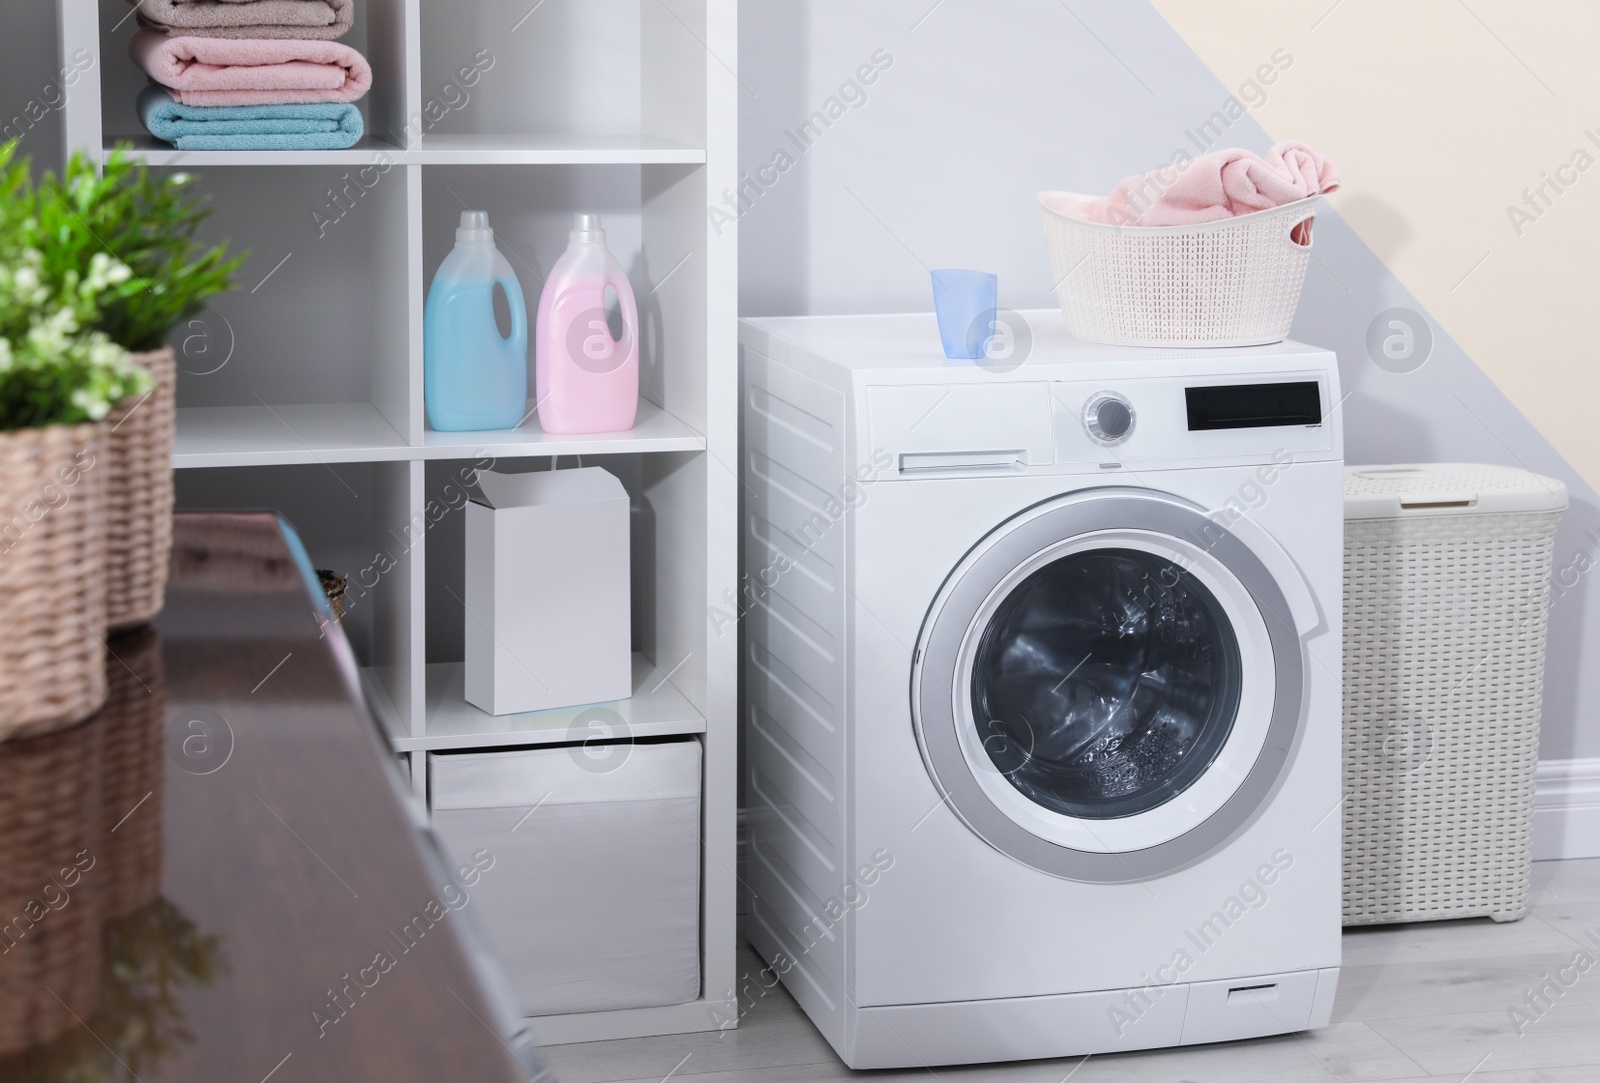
x,y
1235,282
1447,587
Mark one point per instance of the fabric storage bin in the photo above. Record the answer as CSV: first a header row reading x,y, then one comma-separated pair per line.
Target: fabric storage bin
x,y
1447,586
591,901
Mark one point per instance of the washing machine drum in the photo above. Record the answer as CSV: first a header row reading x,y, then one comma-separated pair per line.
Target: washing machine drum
x,y
1108,687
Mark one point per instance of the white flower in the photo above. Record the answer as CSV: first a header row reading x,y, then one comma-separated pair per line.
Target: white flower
x,y
23,280
50,336
105,270
92,401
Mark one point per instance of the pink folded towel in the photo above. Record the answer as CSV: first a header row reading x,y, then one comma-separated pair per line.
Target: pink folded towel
x,y
1214,186
251,71
322,20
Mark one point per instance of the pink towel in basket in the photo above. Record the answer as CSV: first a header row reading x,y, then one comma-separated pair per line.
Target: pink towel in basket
x,y
245,71
1214,186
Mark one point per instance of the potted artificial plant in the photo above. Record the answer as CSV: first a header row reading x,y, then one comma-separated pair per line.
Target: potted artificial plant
x,y
59,380
149,223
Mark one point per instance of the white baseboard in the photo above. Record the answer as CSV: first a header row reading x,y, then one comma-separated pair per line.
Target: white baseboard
x,y
1566,809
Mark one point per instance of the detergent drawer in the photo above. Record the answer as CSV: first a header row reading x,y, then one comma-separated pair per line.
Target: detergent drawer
x,y
938,431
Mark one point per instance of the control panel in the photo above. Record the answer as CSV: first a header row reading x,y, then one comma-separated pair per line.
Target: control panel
x,y
1167,420
1077,427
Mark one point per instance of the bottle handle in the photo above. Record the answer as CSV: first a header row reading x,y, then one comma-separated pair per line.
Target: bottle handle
x,y
515,302
618,280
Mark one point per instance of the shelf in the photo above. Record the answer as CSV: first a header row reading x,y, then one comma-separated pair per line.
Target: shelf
x,y
657,709
152,151
551,150
439,150
653,430
283,435
210,436
632,1022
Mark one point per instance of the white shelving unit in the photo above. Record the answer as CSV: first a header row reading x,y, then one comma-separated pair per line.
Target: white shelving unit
x,y
303,389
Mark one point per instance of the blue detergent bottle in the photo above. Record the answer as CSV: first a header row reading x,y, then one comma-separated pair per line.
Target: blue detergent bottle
x,y
472,377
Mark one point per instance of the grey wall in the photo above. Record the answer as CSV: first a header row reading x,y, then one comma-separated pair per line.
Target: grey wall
x,y
28,64
987,103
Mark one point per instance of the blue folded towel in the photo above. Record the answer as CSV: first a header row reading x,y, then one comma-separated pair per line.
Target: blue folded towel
x,y
320,126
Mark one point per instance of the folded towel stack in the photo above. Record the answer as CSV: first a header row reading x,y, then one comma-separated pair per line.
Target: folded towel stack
x,y
250,74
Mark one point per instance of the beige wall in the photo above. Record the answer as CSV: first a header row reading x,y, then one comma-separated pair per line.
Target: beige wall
x,y
1439,113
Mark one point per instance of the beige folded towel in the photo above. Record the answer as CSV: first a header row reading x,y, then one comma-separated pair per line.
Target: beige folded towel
x,y
315,20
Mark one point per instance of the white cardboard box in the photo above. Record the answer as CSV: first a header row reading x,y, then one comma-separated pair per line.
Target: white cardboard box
x,y
547,621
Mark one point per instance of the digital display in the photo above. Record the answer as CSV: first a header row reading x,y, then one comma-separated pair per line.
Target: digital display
x,y
1254,406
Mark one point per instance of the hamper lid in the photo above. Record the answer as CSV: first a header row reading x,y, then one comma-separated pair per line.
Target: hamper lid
x,y
1388,492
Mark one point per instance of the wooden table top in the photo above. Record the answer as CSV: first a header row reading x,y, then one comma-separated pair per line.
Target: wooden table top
x,y
217,877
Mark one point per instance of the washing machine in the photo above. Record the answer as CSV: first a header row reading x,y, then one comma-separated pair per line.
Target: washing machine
x,y
1041,666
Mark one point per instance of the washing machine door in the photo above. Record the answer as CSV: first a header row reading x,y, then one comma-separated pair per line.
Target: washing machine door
x,y
1108,687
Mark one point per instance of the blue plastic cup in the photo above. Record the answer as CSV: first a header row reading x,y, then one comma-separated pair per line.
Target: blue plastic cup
x,y
965,302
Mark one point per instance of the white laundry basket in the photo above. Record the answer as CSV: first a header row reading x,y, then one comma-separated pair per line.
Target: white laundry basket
x,y
1230,283
1447,584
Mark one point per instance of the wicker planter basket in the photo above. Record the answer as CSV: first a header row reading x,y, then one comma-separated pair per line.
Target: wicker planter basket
x,y
139,496
135,721
52,577
49,806
333,585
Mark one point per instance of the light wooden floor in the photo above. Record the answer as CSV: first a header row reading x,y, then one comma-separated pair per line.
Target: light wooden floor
x,y
1416,1002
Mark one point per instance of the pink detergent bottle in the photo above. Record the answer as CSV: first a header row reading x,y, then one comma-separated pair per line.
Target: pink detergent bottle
x,y
584,380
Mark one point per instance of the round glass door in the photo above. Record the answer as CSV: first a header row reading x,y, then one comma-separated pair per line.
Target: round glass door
x,y
1106,683
1108,687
